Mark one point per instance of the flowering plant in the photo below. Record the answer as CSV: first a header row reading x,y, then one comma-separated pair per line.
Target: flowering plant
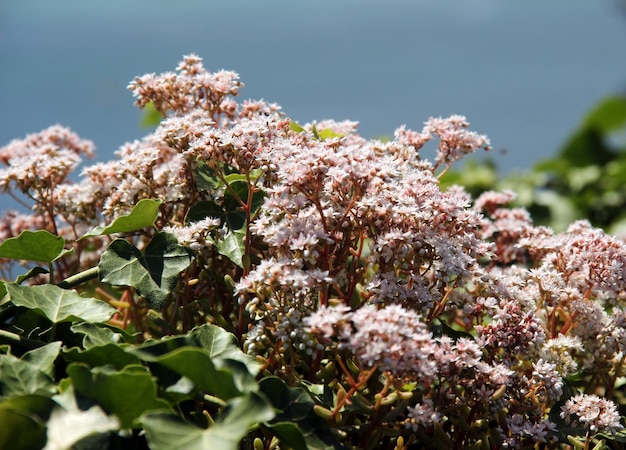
x,y
237,279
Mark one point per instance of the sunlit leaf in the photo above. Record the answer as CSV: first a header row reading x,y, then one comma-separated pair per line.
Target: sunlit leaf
x,y
327,133
100,334
219,343
293,126
19,377
151,117
232,246
169,432
153,273
143,215
40,245
59,305
43,357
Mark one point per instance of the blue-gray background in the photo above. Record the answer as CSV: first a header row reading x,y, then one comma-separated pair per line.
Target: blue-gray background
x,y
523,73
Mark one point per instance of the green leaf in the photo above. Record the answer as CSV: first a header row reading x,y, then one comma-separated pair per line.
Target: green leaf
x,y
219,343
101,355
206,179
293,126
41,246
143,215
100,334
127,394
294,404
168,432
22,420
35,271
289,434
59,305
223,378
609,115
43,357
154,273
204,209
19,377
584,148
232,246
151,116
327,133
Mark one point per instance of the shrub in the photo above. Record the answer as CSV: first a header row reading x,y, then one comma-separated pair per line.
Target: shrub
x,y
235,279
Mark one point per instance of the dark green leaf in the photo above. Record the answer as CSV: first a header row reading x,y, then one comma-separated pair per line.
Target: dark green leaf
x,y
206,179
101,355
41,246
204,209
143,215
168,432
59,305
154,273
22,419
127,394
296,405
30,274
223,378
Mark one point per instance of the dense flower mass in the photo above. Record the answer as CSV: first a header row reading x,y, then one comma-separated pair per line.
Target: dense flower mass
x,y
410,314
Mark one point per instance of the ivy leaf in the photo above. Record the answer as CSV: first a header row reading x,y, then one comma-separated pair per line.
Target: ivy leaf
x,y
101,355
22,419
43,357
59,305
41,246
19,377
219,343
154,273
127,394
169,432
223,378
100,334
143,215
295,405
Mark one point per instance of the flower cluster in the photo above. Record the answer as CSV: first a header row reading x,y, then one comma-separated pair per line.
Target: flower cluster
x,y
407,310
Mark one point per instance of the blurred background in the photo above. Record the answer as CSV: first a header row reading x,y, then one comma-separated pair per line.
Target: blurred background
x,y
524,73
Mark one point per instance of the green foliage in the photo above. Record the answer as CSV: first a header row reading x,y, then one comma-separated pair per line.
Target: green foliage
x,y
584,180
40,246
143,215
154,272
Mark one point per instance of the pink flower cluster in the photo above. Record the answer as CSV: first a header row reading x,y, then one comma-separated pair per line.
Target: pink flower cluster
x,y
357,255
